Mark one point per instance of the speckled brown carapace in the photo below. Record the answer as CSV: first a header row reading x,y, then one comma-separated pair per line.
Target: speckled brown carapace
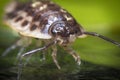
x,y
34,19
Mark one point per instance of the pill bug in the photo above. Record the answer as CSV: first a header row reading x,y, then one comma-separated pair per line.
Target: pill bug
x,y
45,21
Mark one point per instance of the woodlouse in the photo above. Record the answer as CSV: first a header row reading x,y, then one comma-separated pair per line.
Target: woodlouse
x,y
46,20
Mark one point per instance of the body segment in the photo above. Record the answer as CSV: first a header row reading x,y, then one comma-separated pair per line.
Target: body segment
x,y
35,19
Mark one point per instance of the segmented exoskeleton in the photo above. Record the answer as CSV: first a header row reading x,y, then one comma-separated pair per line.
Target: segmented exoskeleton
x,y
47,21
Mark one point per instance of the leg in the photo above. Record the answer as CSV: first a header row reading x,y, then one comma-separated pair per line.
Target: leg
x,y
9,49
23,42
20,52
38,44
20,64
73,53
54,53
43,56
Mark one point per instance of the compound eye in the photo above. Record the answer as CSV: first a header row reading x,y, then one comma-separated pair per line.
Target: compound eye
x,y
58,29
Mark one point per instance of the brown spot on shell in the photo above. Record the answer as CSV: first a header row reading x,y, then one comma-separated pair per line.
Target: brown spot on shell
x,y
11,15
29,10
24,23
53,7
36,17
44,21
33,27
72,22
18,18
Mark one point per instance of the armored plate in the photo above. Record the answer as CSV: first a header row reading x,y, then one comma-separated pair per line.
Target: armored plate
x,y
34,19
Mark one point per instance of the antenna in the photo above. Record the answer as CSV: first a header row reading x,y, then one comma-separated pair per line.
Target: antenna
x,y
102,37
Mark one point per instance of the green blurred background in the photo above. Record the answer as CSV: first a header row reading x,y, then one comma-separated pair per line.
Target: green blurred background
x,y
101,16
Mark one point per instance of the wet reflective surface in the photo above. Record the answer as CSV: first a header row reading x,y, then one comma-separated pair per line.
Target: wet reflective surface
x,y
48,71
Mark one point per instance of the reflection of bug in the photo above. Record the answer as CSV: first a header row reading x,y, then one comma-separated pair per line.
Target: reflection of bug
x,y
48,21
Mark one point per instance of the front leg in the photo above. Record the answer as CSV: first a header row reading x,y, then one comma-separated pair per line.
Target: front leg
x,y
73,53
54,54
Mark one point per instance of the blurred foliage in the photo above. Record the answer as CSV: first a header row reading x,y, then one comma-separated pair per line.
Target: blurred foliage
x,y
101,16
